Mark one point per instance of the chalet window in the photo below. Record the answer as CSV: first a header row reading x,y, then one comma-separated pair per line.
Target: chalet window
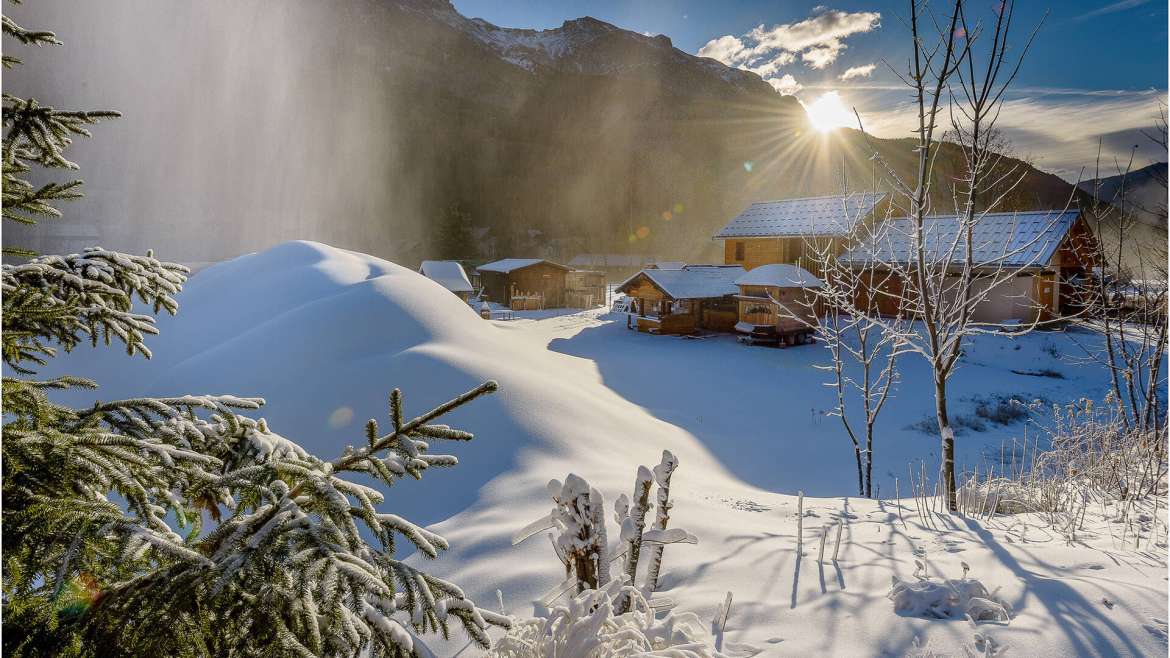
x,y
738,250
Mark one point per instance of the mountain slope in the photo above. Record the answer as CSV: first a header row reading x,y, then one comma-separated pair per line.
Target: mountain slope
x,y
361,123
1143,192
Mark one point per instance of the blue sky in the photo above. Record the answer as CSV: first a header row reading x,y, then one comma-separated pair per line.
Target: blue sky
x,y
1097,69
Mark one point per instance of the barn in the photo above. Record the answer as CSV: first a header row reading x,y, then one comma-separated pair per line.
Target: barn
x,y
775,304
524,283
1050,249
449,274
679,301
777,231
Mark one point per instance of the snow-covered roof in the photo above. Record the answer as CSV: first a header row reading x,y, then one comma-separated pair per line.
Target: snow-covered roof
x,y
693,281
822,215
1019,239
780,275
446,273
512,264
669,265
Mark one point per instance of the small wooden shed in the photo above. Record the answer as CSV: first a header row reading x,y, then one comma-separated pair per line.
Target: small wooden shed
x,y
776,305
679,301
585,289
531,282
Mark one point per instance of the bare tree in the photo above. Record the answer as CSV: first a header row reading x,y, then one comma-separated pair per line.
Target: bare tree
x,y
863,355
1127,303
944,270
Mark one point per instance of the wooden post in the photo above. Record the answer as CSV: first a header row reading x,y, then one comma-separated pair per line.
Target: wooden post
x,y
799,521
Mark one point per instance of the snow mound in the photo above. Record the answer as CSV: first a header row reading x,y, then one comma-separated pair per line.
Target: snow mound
x,y
324,335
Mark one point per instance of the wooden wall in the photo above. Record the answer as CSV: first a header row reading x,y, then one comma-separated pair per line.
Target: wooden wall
x,y
584,289
765,251
540,278
763,312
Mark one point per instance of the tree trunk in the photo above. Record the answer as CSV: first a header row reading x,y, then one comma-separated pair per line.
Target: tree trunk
x,y
638,521
947,433
662,474
869,463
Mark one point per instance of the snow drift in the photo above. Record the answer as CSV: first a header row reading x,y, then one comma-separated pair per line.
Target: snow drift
x,y
324,334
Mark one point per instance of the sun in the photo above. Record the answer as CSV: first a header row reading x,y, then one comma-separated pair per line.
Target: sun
x,y
829,112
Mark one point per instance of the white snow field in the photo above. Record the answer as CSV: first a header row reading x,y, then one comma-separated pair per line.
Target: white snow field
x,y
324,334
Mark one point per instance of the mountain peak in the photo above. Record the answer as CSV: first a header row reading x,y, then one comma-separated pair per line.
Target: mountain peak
x,y
585,45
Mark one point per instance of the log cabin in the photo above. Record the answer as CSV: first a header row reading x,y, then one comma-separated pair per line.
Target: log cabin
x,y
529,278
681,301
776,305
449,274
1050,251
776,231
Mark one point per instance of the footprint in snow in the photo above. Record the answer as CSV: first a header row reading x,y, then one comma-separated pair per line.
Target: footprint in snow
x,y
1157,629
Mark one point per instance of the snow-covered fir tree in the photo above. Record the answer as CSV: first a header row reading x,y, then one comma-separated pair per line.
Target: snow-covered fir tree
x,y
180,526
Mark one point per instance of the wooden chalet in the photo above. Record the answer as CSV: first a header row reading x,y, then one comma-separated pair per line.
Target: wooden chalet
x,y
524,283
680,301
776,305
776,231
449,274
1051,250
585,289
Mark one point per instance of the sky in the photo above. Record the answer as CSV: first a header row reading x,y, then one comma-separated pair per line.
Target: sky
x,y
1095,74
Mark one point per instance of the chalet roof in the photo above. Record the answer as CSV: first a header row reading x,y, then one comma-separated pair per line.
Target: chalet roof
x,y
1020,239
669,265
779,275
447,273
692,281
512,264
822,215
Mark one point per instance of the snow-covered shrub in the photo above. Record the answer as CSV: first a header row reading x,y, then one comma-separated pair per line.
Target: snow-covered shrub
x,y
588,627
948,599
982,646
580,542
581,539
1084,453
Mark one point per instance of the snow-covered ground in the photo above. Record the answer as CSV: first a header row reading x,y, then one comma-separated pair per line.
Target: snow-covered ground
x,y
324,334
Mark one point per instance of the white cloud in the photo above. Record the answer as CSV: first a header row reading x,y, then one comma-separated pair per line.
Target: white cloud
x,y
822,30
727,49
1111,8
858,72
817,41
786,84
1058,130
771,67
821,56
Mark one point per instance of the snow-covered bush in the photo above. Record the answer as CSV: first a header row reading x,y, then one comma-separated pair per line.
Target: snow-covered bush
x,y
948,599
588,627
1084,453
581,540
608,616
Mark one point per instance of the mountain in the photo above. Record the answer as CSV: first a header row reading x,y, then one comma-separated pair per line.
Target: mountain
x,y
1143,192
602,139
366,123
